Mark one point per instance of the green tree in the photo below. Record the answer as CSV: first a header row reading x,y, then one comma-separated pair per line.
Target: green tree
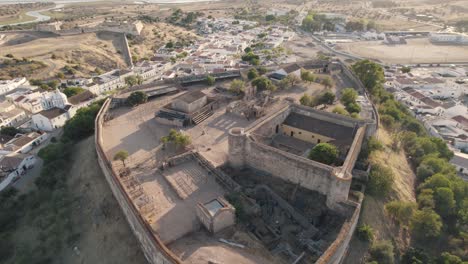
x,y
82,124
263,83
178,138
122,155
210,80
252,74
292,80
353,108
447,258
237,86
415,256
307,76
306,100
9,131
53,152
380,180
444,201
348,96
426,224
71,91
326,98
136,98
382,252
131,80
426,199
431,165
437,180
324,153
370,73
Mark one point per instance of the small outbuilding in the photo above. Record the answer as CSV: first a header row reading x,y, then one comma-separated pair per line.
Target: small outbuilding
x,y
216,214
190,102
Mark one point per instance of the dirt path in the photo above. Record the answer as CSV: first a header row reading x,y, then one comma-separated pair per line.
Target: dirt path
x,y
104,234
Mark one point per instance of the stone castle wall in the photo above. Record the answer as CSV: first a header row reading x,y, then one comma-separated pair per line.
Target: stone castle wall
x,y
153,248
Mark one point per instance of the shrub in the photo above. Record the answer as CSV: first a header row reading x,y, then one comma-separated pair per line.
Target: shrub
x,y
374,144
388,121
210,80
252,74
401,211
340,110
380,180
382,252
365,233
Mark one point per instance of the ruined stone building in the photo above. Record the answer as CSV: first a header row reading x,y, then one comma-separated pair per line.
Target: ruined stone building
x,y
279,145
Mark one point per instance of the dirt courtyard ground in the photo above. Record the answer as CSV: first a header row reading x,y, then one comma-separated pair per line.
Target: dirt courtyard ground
x,y
167,199
416,51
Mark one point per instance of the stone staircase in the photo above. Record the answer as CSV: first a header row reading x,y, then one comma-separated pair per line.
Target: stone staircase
x,y
202,116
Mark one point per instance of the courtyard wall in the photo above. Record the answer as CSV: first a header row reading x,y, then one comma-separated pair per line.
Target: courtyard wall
x,y
153,248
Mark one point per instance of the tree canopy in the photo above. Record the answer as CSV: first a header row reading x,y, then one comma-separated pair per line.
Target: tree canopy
x,y
178,138
263,83
136,98
237,86
71,91
122,155
426,224
324,153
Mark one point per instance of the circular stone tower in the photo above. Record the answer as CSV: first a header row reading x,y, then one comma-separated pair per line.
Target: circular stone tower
x,y
236,141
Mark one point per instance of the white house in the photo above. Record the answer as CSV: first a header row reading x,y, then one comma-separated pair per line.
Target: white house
x,y
13,166
7,86
36,101
460,161
108,81
50,119
23,143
